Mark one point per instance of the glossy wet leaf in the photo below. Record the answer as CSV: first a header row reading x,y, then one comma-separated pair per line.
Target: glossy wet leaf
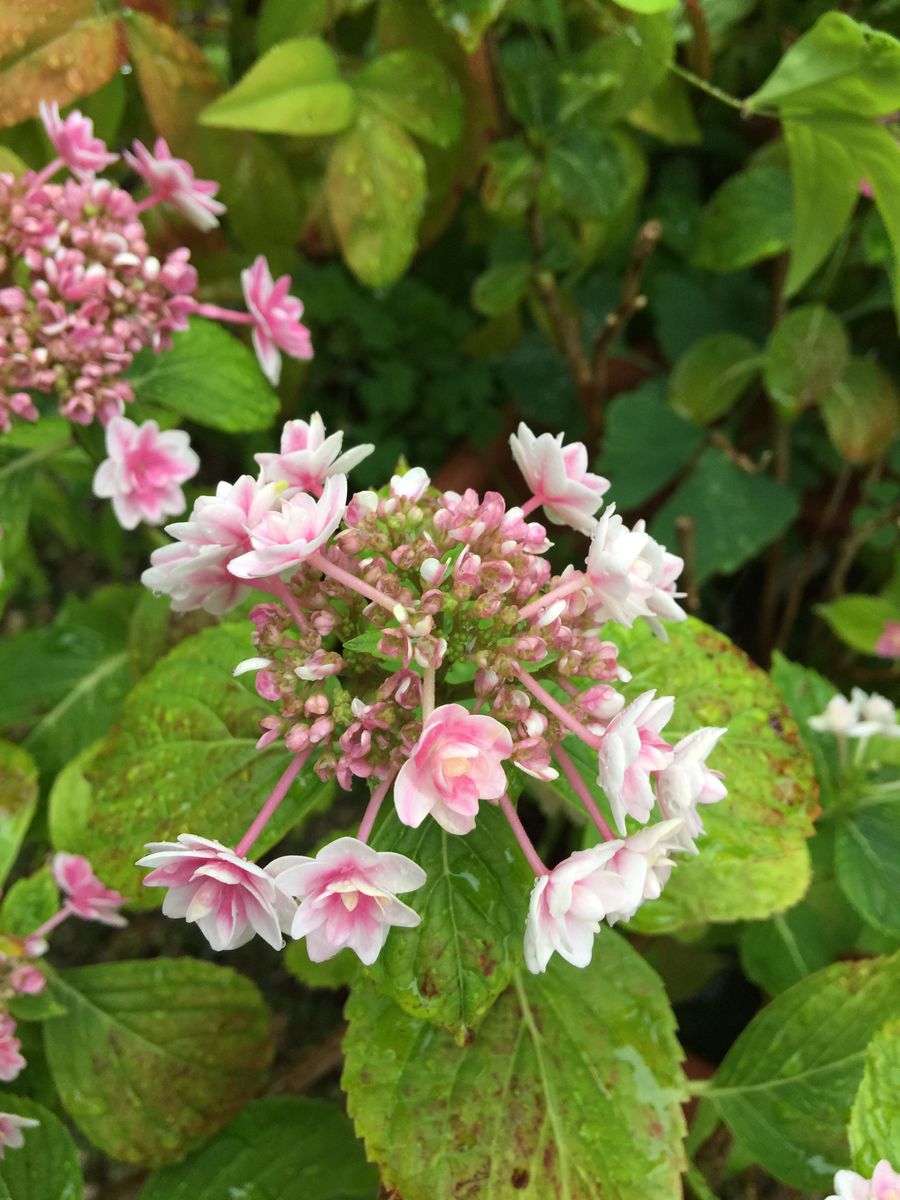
x,y
569,1088
786,1086
805,358
183,758
46,1167
296,88
736,514
175,78
79,59
375,187
862,411
451,968
838,65
416,91
754,859
154,1056
747,219
279,1148
208,376
18,800
712,375
65,682
874,1130
867,861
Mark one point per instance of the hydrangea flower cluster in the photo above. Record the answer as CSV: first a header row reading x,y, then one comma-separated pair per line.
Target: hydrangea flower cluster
x,y
421,642
84,897
81,292
884,1184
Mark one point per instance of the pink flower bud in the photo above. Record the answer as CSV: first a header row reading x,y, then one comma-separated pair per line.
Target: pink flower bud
x,y
27,980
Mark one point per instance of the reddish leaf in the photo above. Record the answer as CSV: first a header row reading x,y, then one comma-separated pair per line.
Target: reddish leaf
x,y
25,25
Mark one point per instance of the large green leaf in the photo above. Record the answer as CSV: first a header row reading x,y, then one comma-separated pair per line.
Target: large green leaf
x,y
17,478
874,1131
181,760
605,82
452,967
867,862
416,91
712,375
748,219
838,65
806,694
30,902
46,1167
862,410
294,88
586,175
859,620
67,680
18,800
754,859
736,514
825,186
280,1148
570,1088
153,1056
787,1084
209,377
467,19
376,195
806,356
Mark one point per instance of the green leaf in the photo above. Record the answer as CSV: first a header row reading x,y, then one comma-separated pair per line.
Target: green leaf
x,y
712,375
874,1131
17,480
806,694
667,112
825,187
416,91
867,862
616,72
209,377
570,1088
747,219
30,902
735,514
805,357
46,1167
182,758
859,620
862,411
646,445
753,860
11,163
780,952
376,194
647,6
585,176
154,1056
18,800
839,65
295,88
334,973
452,967
786,1085
500,288
67,680
511,179
467,19
279,1148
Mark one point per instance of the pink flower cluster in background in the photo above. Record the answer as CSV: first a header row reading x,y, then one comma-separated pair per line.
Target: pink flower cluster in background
x,y
883,1185
420,641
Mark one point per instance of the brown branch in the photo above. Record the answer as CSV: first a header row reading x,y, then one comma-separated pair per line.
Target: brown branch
x,y
685,528
700,54
852,545
631,299
318,1062
744,461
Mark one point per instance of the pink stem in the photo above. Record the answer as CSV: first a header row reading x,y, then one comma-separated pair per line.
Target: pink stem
x,y
530,505
47,172
262,818
352,581
373,806
553,705
525,842
148,202
566,686
573,584
280,590
582,791
428,693
223,314
51,924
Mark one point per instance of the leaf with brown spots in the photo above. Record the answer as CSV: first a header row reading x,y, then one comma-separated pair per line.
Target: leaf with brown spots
x,y
175,78
79,60
153,1056
183,759
570,1089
